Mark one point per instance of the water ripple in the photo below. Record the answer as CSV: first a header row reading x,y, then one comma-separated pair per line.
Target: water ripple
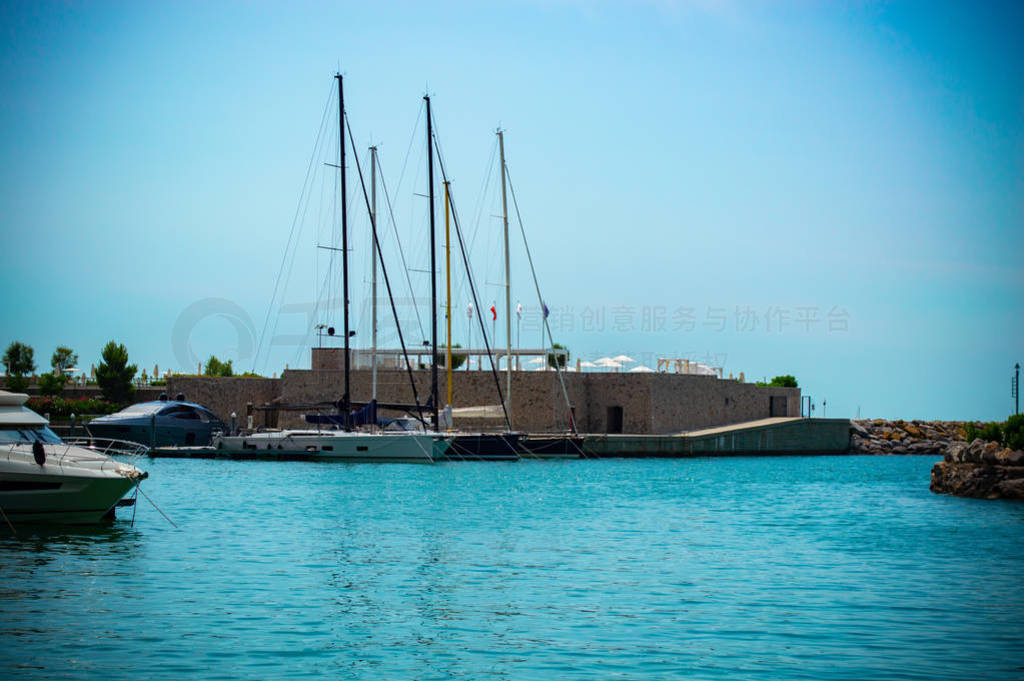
x,y
787,568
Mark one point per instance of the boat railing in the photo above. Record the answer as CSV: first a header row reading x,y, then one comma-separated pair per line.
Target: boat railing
x,y
109,446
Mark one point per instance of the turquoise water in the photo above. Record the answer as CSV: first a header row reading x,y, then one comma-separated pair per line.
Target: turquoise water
x,y
747,568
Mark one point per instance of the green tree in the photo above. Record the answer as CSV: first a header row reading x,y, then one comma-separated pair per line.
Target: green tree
x,y
784,381
63,359
215,367
114,374
562,359
18,361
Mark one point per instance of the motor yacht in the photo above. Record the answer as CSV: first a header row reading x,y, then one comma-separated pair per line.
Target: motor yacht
x,y
44,479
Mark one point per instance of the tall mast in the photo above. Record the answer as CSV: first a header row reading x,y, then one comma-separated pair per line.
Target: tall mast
x,y
448,292
433,269
373,249
508,287
346,396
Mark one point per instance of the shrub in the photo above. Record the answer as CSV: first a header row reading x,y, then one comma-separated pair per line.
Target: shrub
x,y
18,361
992,432
784,381
1013,432
62,407
115,375
215,367
562,359
457,360
52,384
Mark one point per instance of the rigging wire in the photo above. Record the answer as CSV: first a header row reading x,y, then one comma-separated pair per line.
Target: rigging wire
x,y
465,260
460,286
408,151
387,281
323,300
478,215
479,207
547,326
291,235
401,251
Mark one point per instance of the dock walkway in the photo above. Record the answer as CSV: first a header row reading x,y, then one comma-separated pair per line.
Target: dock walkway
x,y
764,437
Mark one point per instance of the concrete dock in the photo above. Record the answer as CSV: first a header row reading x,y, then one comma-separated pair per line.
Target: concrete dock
x,y
764,437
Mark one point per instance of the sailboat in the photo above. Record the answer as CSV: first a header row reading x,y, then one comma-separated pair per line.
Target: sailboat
x,y
345,444
503,446
531,446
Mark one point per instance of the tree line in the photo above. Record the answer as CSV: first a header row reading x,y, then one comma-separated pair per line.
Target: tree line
x,y
114,375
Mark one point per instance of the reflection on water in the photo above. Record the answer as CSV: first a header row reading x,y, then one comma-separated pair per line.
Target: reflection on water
x,y
791,568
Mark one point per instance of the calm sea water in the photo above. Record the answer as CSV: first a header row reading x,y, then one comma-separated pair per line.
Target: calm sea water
x,y
771,568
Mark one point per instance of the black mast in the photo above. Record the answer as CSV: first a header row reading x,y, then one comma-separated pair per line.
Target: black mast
x,y
346,396
433,271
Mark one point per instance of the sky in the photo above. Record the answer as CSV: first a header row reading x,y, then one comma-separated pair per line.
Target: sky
x,y
829,190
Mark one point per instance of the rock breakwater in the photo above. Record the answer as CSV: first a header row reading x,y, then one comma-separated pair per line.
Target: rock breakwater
x,y
879,436
981,469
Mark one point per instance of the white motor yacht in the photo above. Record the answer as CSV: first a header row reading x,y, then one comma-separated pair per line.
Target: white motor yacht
x,y
43,479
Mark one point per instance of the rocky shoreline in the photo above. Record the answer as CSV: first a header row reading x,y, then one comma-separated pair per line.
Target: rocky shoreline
x,y
981,469
880,437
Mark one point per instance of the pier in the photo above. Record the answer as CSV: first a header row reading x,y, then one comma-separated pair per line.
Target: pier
x,y
763,437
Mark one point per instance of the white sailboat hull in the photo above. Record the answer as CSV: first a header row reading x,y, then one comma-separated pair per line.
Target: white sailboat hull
x,y
337,446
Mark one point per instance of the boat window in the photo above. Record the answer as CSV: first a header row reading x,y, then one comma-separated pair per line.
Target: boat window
x,y
47,435
12,436
20,435
180,412
142,409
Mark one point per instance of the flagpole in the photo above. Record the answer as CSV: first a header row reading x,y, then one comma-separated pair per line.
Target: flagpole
x,y
519,328
542,318
469,357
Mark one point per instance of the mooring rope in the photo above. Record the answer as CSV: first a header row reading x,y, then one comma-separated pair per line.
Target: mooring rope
x,y
4,513
136,504
137,487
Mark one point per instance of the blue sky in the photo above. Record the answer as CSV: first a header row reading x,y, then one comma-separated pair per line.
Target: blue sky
x,y
830,190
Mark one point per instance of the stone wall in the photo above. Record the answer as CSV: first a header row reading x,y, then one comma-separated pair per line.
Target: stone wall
x,y
226,395
706,401
651,403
